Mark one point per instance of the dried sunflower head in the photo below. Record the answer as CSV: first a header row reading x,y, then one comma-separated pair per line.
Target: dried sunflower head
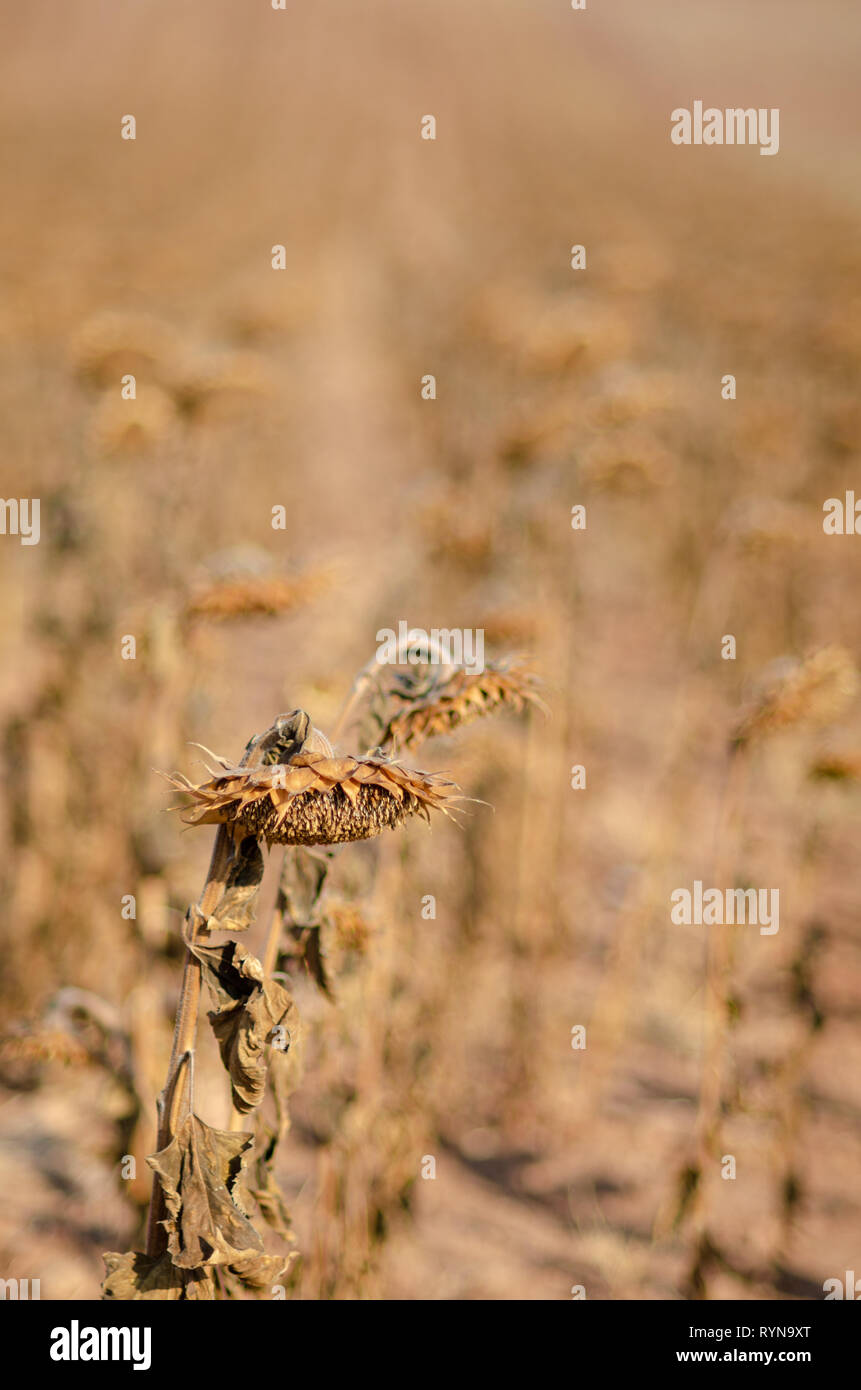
x,y
43,1045
223,384
440,706
811,692
120,426
316,799
112,343
253,596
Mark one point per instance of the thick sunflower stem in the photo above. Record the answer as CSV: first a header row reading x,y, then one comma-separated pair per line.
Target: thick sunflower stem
x,y
175,1101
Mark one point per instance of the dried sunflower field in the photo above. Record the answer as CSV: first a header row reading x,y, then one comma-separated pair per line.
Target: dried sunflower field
x,y
418,979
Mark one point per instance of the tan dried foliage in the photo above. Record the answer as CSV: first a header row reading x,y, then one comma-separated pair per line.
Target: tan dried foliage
x,y
289,788
259,1272
540,430
512,627
766,526
811,692
249,1008
49,1045
554,333
255,596
837,767
303,876
352,931
628,461
317,800
271,1201
454,537
124,426
224,382
199,1173
112,343
236,908
629,395
133,1276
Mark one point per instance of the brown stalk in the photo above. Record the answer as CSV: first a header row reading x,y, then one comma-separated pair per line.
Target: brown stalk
x,y
175,1101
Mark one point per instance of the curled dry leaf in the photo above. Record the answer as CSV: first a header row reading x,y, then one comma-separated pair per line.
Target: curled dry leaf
x,y
199,1173
249,1008
236,909
300,888
133,1276
261,1185
305,948
267,1193
314,799
303,877
260,1272
286,1072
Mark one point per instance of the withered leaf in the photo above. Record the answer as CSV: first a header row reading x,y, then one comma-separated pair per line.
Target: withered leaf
x,y
236,909
260,1272
199,1172
260,1184
303,946
249,1008
285,1073
231,972
134,1276
303,876
266,1192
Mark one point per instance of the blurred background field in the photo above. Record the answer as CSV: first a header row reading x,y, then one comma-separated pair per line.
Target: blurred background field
x,y
256,388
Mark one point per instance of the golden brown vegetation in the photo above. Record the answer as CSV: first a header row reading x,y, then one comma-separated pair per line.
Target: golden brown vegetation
x,y
443,1036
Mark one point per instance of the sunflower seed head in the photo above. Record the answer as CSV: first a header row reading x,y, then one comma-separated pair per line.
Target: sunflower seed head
x,y
315,799
443,706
